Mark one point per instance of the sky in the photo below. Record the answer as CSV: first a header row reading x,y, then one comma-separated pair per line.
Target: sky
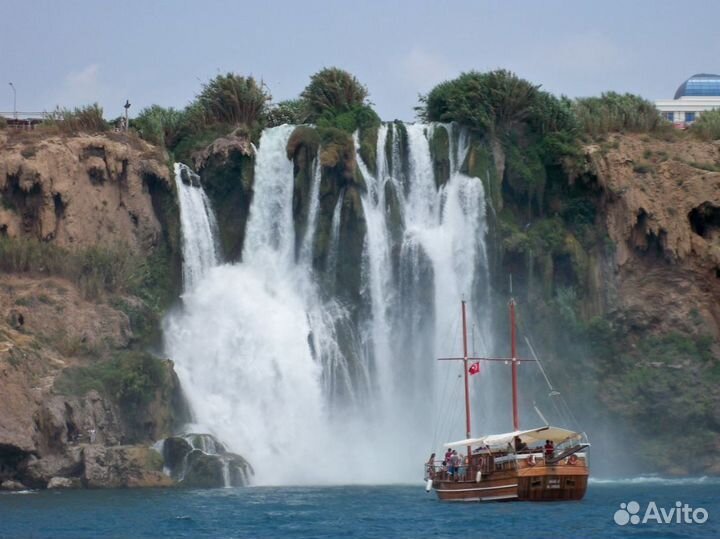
x,y
72,53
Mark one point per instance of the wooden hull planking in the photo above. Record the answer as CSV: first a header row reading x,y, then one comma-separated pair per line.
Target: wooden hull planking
x,y
560,482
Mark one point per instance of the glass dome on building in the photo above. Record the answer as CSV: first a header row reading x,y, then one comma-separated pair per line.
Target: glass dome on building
x,y
700,85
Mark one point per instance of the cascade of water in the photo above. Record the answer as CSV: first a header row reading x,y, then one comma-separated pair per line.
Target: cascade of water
x,y
242,344
334,245
443,251
377,273
197,221
306,250
258,349
270,224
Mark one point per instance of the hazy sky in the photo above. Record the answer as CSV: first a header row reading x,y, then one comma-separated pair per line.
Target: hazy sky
x,y
70,53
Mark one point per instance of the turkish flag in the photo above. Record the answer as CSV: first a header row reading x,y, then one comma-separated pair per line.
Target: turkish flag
x,y
474,368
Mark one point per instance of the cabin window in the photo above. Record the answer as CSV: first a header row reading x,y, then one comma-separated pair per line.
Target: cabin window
x,y
569,482
536,483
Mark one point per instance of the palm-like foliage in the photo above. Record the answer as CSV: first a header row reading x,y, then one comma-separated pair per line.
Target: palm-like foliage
x,y
233,99
495,101
332,90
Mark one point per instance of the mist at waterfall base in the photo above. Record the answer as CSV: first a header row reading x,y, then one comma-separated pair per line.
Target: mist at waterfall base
x,y
257,344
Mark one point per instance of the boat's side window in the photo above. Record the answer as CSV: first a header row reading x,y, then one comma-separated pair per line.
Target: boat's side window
x,y
537,483
569,482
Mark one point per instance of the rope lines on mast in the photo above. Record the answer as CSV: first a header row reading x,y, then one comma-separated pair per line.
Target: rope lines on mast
x,y
448,387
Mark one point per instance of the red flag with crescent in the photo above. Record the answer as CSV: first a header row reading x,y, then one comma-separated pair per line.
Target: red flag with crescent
x,y
474,368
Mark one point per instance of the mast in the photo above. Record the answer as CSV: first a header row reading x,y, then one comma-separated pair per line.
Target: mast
x,y
465,374
514,363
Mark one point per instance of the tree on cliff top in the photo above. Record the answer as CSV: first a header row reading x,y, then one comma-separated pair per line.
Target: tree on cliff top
x,y
496,101
335,98
333,89
233,99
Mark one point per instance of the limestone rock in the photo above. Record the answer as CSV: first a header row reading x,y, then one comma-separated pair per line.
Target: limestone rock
x,y
123,466
63,482
175,451
201,461
81,190
663,220
12,485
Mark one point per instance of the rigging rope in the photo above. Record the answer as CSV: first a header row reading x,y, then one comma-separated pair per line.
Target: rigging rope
x,y
445,396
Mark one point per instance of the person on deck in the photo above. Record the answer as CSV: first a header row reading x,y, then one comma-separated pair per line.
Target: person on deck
x,y
446,461
520,446
454,464
431,467
462,470
549,449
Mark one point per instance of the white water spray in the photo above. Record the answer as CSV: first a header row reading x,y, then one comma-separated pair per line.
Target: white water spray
x,y
257,346
198,227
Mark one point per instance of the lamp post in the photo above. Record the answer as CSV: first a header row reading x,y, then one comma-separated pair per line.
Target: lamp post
x,y
14,99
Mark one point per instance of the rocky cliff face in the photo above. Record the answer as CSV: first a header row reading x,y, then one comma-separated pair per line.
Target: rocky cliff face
x,y
624,258
662,211
81,191
79,391
625,295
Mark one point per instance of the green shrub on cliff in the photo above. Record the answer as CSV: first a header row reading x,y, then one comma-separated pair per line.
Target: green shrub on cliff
x,y
335,98
292,111
87,119
129,377
333,89
707,126
613,112
234,100
499,104
95,270
495,101
159,125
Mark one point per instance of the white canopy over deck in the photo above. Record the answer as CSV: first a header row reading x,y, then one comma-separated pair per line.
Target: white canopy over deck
x,y
499,441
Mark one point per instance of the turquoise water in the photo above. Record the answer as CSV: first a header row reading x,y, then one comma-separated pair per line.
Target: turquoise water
x,y
354,511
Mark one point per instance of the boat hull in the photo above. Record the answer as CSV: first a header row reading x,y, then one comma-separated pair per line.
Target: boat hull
x,y
561,482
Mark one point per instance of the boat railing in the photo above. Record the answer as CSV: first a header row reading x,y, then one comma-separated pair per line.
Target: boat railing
x,y
488,463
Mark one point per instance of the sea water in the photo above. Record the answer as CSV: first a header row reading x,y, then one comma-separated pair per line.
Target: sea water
x,y
381,512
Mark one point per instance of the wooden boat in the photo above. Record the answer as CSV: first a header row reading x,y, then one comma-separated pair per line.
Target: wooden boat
x,y
518,465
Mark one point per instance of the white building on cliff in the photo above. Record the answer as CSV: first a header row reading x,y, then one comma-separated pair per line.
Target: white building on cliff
x,y
699,93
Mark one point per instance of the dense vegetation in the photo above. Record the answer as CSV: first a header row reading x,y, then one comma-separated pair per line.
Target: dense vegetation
x,y
87,119
332,99
707,126
613,112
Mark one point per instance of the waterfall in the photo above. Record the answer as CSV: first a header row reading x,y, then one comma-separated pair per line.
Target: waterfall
x,y
334,245
198,227
271,361
242,345
306,250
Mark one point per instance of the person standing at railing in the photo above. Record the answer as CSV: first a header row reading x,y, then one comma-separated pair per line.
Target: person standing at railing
x,y
431,467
